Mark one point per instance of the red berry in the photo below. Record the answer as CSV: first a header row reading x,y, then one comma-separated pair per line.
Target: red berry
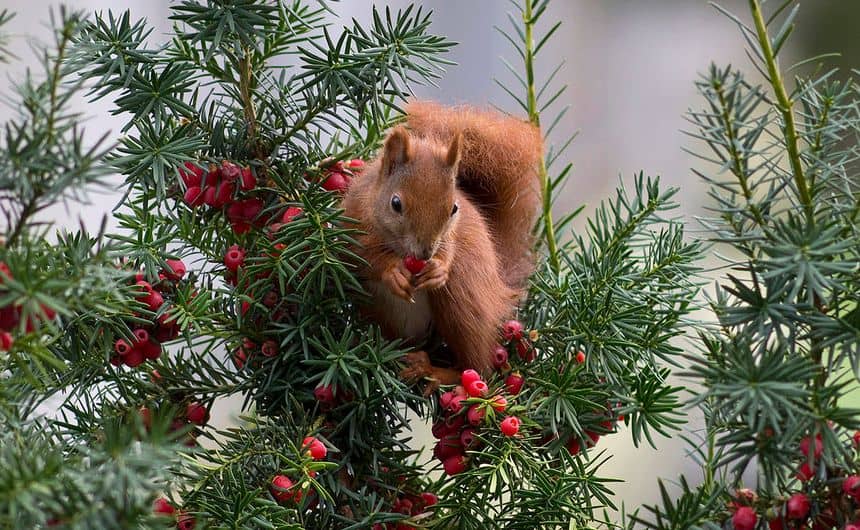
x,y
140,336
6,341
191,175
121,347
324,394
240,358
430,499
177,269
154,300
499,403
573,446
315,448
234,258
454,465
467,437
580,357
797,506
413,264
280,489
475,414
291,213
448,446
248,180
514,383
526,351
510,426
336,181
445,399
593,438
500,357
805,443
185,521
805,472
744,518
150,349
512,330
5,272
856,439
133,358
269,348
468,377
851,486
194,196
196,413
163,506
456,404
477,388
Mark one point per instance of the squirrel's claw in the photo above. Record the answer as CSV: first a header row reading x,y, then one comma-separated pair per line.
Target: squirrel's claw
x,y
434,275
397,281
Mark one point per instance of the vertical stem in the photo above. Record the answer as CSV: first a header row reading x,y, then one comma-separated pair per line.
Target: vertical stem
x,y
534,117
785,106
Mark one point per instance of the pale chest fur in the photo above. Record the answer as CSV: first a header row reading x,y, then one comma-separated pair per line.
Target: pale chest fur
x,y
409,321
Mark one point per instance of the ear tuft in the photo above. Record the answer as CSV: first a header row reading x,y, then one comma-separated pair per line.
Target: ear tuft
x,y
398,150
455,150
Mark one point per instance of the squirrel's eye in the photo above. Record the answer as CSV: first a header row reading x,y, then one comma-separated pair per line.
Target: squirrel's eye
x,y
454,209
396,205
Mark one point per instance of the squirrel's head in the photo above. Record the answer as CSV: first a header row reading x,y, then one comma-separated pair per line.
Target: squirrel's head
x,y
417,202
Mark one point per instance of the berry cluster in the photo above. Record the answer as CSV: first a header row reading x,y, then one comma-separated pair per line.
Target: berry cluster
x,y
411,505
10,315
465,409
184,521
337,176
829,497
287,491
217,188
148,338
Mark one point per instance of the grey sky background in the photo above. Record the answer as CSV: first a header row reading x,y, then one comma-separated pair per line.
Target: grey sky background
x,y
630,67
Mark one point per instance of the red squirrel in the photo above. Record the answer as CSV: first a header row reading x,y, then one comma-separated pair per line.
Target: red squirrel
x,y
459,188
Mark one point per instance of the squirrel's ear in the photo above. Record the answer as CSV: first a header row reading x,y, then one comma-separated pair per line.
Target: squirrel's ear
x,y
397,150
454,151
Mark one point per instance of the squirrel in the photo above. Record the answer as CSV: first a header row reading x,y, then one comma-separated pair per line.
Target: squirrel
x,y
457,188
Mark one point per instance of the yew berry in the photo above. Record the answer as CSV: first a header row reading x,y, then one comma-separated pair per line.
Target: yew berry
x,y
269,348
240,358
133,358
456,404
191,175
196,413
162,506
356,165
459,390
851,486
526,351
430,499
593,438
315,448
448,446
248,180
291,213
499,403
805,472
468,377
440,429
775,524
324,394
744,518
336,181
797,506
140,336
185,521
580,357
280,489
193,196
229,171
475,414
573,446
514,383
512,330
477,388
413,264
177,269
510,426
5,272
234,258
6,341
467,437
150,349
805,443
454,465
121,347
856,439
500,356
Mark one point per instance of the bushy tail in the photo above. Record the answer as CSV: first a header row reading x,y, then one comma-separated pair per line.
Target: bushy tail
x,y
498,170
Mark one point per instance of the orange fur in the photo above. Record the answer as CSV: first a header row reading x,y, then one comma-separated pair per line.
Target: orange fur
x,y
479,257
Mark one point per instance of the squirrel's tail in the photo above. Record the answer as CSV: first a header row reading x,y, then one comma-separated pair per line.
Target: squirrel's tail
x,y
498,170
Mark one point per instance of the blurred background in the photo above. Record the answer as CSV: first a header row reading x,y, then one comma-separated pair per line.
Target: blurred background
x,y
629,67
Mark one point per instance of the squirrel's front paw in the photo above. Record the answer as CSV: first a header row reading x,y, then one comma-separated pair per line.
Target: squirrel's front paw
x,y
396,278
417,366
434,275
